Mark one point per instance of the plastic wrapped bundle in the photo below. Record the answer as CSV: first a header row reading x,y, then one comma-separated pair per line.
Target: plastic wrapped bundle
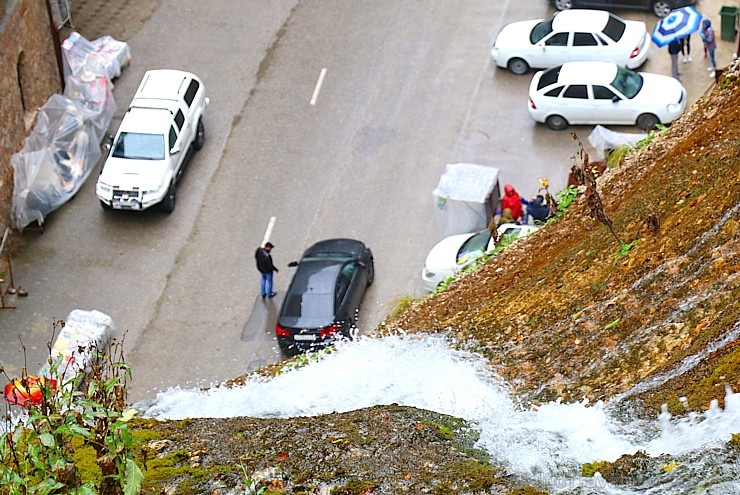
x,y
84,333
104,56
55,161
94,97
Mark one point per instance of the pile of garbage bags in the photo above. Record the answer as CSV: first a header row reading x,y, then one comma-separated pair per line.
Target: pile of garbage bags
x,y
64,145
105,55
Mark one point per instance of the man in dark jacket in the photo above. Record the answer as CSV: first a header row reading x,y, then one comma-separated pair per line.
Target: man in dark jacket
x,y
538,211
265,267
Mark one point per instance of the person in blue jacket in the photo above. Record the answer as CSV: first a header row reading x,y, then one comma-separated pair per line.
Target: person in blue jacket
x,y
537,210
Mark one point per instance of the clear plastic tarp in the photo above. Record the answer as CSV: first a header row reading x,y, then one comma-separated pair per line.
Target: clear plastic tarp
x,y
603,139
466,197
105,55
63,148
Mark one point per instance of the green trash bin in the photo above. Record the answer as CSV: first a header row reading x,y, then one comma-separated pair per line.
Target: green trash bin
x,y
728,14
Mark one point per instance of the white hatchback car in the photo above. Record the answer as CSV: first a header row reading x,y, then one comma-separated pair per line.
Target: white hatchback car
x,y
162,126
453,253
571,35
604,93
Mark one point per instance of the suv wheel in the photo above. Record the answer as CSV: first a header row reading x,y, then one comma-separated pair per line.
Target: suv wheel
x,y
200,135
662,8
563,4
168,203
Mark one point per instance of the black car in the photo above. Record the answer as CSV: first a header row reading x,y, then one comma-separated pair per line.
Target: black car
x,y
661,8
324,297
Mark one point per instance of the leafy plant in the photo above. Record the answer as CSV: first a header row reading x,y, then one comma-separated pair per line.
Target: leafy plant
x,y
564,198
87,410
624,248
652,134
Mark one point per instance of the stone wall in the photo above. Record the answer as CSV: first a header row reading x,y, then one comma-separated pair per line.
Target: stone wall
x,y
29,74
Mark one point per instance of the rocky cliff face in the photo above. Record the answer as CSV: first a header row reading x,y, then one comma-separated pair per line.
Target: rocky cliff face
x,y
567,313
570,313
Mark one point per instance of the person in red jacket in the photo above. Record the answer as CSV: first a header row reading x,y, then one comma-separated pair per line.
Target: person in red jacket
x,y
512,201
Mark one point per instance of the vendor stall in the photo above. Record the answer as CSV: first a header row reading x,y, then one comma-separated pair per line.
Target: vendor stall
x,y
466,198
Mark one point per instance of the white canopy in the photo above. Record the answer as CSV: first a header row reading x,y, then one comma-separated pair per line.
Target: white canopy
x,y
466,197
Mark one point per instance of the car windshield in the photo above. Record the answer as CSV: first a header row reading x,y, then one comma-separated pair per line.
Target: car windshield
x,y
473,247
615,27
309,302
136,146
540,30
627,82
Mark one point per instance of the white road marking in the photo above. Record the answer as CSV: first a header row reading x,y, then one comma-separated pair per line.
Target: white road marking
x,y
317,89
268,231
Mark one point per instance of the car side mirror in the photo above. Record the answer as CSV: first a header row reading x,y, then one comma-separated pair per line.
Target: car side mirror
x,y
174,150
292,264
616,99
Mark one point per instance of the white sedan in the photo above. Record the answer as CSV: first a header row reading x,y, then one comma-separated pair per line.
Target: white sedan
x,y
604,93
452,254
571,35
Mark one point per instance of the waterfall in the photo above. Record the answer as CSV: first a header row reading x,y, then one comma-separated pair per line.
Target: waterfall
x,y
545,446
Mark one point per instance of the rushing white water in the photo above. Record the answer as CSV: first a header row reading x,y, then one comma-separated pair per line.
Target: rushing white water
x,y
546,445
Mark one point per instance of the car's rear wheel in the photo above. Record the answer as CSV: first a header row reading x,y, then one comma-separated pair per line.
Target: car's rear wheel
x,y
661,8
200,135
370,273
168,203
556,122
518,66
563,4
647,121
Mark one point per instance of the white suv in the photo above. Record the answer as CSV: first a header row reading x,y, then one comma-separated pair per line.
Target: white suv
x,y
162,125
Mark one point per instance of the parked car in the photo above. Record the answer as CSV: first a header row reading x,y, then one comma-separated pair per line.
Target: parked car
x,y
324,296
661,8
453,253
571,36
162,126
604,93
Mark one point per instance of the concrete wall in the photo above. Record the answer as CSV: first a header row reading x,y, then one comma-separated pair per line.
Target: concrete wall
x,y
29,74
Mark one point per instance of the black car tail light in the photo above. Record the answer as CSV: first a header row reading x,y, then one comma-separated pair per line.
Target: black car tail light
x,y
281,332
329,331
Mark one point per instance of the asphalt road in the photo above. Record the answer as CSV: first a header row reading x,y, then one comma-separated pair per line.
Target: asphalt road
x,y
407,87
